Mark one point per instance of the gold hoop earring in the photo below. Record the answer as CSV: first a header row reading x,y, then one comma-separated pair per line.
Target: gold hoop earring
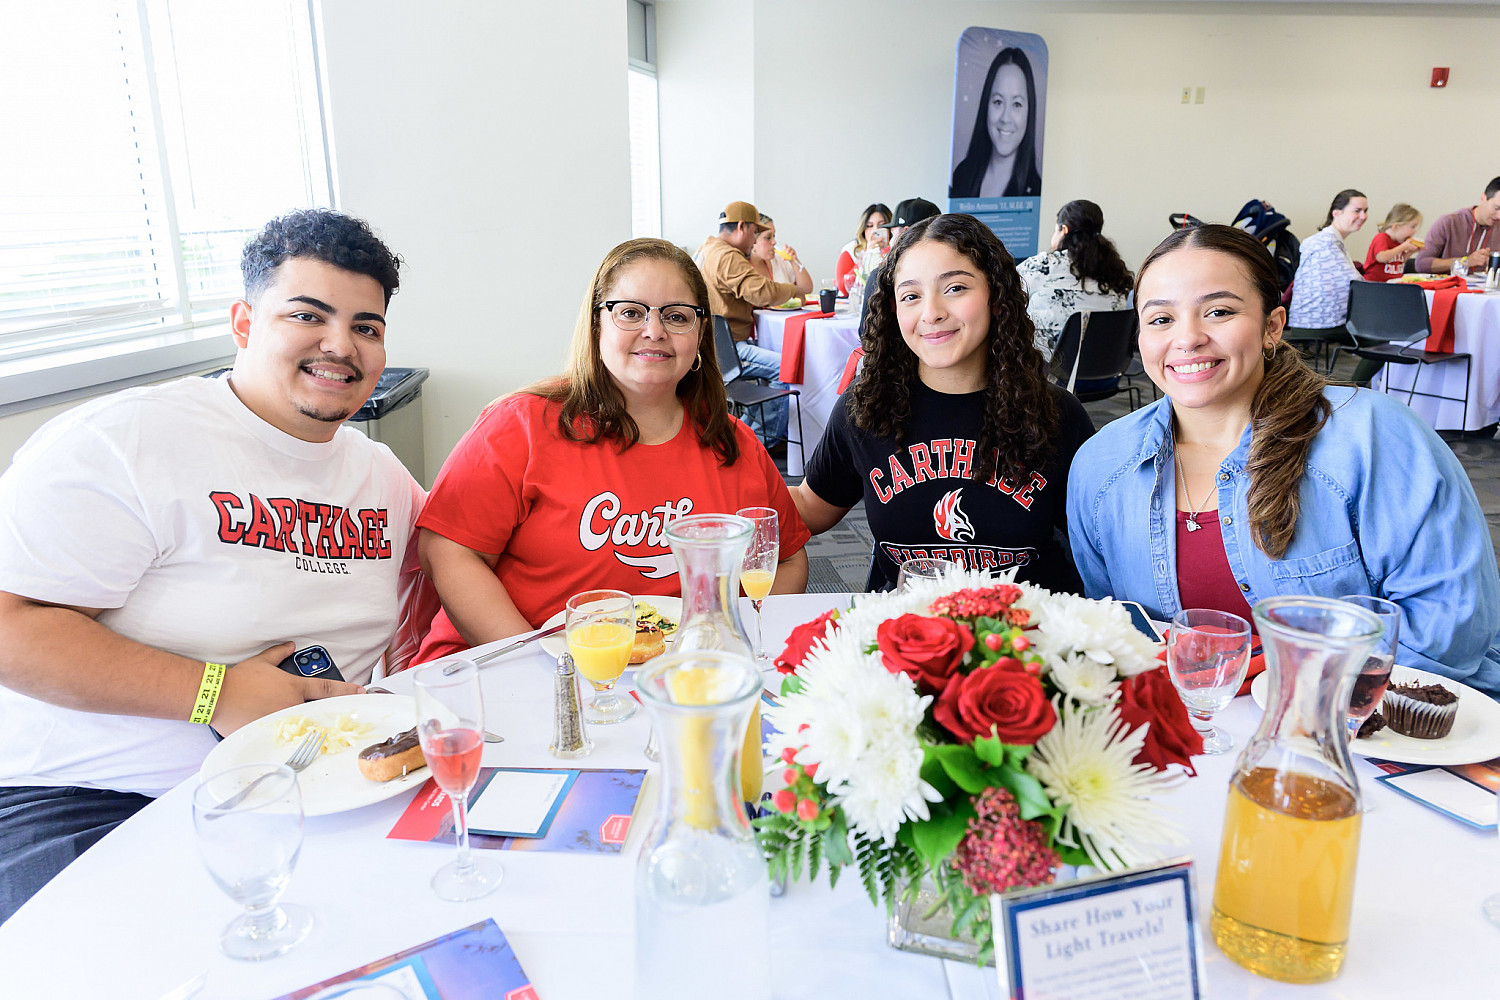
x,y
697,362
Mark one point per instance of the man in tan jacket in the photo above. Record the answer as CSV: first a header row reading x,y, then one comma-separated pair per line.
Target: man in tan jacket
x,y
734,290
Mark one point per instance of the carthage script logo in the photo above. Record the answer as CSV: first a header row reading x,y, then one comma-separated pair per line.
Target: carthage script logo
x,y
951,521
603,523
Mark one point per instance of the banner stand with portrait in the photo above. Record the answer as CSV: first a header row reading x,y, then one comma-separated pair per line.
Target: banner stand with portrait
x,y
999,114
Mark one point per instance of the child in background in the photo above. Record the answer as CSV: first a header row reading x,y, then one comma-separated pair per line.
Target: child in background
x,y
1396,241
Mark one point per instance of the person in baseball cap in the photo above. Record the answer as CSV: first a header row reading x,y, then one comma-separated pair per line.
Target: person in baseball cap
x,y
909,213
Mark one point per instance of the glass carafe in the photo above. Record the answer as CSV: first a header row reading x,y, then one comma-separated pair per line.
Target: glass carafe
x,y
702,899
1285,883
710,549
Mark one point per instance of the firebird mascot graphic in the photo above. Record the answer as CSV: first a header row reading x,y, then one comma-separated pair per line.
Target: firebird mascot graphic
x,y
951,521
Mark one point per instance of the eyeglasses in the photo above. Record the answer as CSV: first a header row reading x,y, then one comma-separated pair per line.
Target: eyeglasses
x,y
676,317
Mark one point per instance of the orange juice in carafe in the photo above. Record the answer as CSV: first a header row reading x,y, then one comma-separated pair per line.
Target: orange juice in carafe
x,y
1286,875
1285,885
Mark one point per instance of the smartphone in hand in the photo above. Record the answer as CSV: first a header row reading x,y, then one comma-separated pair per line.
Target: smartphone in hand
x,y
312,661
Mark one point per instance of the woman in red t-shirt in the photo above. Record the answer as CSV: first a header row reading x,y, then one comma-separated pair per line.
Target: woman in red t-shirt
x,y
1396,241
569,484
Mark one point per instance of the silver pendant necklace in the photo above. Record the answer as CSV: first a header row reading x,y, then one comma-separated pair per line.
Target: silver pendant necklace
x,y
1193,512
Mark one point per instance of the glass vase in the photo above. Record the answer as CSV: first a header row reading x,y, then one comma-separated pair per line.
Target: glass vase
x,y
1285,884
701,889
920,925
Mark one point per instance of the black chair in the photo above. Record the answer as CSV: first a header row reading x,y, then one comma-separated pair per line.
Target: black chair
x,y
1319,345
745,392
1383,312
1097,348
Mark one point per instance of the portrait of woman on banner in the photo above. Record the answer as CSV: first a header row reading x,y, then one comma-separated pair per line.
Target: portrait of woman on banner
x,y
1002,157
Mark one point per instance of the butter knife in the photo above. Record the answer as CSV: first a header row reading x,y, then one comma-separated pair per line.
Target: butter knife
x,y
485,659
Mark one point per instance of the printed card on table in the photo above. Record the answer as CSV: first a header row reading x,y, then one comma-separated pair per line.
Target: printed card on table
x,y
475,963
1462,792
592,816
1133,933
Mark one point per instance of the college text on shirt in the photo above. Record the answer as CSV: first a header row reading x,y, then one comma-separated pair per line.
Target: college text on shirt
x,y
961,466
315,532
602,523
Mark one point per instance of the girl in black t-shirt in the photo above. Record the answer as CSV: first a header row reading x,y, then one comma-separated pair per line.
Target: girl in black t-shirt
x,y
952,435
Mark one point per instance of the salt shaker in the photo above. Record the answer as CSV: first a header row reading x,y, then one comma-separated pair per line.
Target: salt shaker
x,y
569,740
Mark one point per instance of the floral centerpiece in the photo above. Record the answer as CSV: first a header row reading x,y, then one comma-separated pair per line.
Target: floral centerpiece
x,y
976,733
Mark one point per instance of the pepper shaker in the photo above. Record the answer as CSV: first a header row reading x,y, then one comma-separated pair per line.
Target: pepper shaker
x,y
569,740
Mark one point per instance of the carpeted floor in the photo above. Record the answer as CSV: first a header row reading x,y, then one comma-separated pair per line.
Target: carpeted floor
x,y
838,560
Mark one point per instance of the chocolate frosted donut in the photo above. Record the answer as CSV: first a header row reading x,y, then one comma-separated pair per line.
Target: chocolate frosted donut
x,y
392,758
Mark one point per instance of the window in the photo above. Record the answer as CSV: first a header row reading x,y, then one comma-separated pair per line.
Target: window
x,y
645,129
146,140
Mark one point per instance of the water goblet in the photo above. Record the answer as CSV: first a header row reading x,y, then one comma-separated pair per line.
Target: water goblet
x,y
250,848
1208,653
758,571
922,569
1375,675
450,726
601,634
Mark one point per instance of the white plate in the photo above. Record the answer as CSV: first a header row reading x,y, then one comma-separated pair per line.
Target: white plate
x,y
557,645
1476,728
332,783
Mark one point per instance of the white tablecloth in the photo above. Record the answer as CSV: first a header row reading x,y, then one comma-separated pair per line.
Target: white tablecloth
x,y
827,344
1476,331
137,915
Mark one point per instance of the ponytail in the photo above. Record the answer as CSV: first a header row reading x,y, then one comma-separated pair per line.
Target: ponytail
x,y
1288,411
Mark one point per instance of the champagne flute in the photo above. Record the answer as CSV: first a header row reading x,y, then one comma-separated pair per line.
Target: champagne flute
x,y
922,569
1375,675
250,847
1208,653
450,726
758,571
601,634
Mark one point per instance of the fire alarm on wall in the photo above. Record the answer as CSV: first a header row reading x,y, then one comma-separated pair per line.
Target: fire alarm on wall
x,y
1440,76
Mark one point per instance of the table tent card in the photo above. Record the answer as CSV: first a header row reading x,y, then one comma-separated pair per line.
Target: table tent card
x,y
1133,933
590,813
475,963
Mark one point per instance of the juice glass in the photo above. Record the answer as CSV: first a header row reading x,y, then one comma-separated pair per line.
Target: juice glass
x,y
601,633
450,726
759,569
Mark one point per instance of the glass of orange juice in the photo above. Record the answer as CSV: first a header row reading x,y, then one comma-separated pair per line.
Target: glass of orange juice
x,y
758,571
601,632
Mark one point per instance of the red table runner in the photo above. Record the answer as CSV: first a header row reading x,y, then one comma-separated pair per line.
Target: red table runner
x,y
792,335
1445,297
851,368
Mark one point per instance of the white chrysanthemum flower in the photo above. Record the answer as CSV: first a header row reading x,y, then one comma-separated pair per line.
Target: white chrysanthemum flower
x,y
1083,679
886,789
1084,764
1100,630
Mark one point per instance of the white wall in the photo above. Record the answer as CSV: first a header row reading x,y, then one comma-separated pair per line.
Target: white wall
x,y
488,144
1302,100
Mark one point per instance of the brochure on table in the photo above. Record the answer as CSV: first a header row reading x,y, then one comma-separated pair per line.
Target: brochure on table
x,y
1132,933
1462,792
474,963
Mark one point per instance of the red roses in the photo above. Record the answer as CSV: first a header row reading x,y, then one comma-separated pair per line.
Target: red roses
x,y
928,650
802,639
1149,697
995,701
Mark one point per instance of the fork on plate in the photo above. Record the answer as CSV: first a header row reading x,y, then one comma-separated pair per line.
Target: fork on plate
x,y
307,751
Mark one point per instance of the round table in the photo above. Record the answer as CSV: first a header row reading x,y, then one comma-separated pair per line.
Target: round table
x,y
1476,331
827,344
136,915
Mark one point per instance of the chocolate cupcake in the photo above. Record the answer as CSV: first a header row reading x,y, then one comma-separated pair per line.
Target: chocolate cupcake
x,y
1421,711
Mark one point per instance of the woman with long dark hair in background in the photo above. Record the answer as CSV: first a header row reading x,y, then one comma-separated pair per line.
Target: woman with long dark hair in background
x,y
1001,161
1254,477
1082,272
951,435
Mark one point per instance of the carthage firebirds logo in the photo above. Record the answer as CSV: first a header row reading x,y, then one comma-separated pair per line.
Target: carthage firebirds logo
x,y
950,520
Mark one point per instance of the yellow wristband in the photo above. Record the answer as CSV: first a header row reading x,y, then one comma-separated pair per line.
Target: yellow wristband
x,y
208,693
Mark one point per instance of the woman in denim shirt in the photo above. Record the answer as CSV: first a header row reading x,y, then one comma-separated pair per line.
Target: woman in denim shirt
x,y
1280,483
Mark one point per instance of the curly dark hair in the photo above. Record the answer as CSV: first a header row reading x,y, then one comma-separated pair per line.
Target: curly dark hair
x,y
1020,415
1091,254
319,234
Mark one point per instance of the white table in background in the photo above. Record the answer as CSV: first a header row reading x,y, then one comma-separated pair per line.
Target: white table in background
x,y
827,344
137,915
1476,331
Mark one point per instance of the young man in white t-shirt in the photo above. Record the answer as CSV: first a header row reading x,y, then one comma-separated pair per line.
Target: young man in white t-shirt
x,y
152,536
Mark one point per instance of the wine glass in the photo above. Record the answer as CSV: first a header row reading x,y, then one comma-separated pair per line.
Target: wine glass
x,y
1208,653
450,726
758,571
250,848
922,569
601,634
1370,686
